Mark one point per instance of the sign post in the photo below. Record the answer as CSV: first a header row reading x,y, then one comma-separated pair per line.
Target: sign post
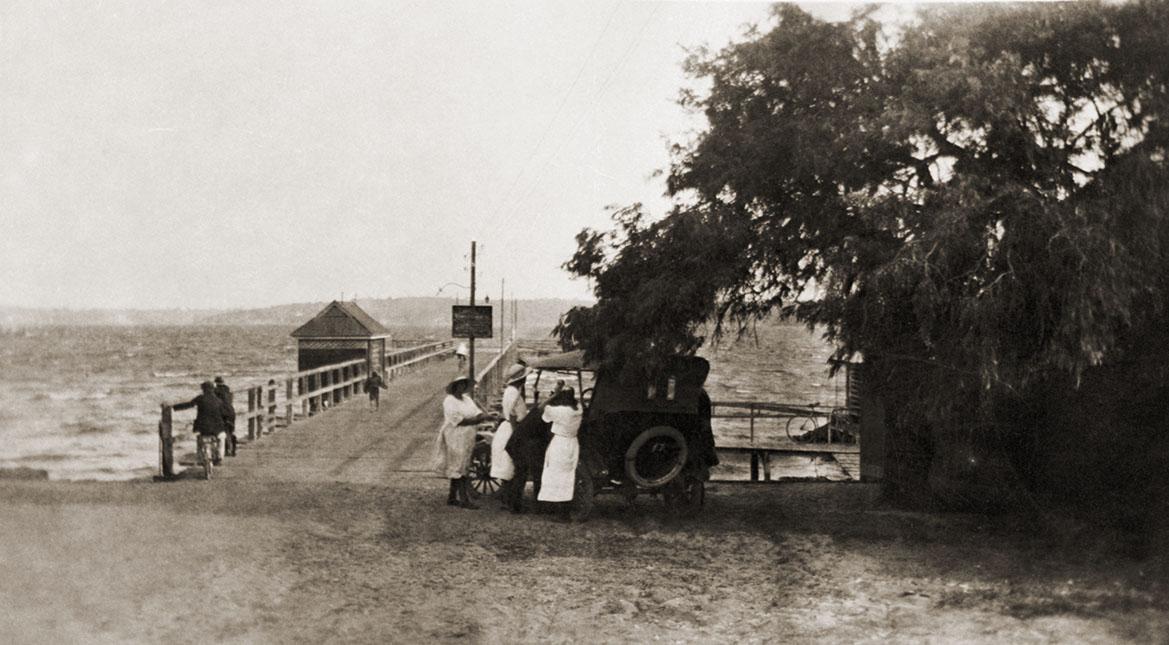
x,y
471,322
471,358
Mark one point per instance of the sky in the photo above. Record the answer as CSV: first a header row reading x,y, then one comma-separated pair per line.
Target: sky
x,y
225,155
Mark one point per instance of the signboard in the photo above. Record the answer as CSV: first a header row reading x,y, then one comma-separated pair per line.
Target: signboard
x,y
471,321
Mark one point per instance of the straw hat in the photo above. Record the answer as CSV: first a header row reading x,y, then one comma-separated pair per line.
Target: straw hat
x,y
451,386
515,373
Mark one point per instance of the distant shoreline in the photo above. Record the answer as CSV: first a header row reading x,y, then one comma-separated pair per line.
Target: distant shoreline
x,y
420,312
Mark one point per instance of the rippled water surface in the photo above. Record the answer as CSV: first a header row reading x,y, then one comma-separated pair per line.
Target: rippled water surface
x,y
83,402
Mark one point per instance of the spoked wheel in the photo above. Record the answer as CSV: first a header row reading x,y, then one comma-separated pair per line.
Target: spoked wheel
x,y
686,495
481,479
801,428
583,494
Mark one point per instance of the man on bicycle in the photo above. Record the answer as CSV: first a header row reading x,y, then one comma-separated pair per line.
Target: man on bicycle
x,y
209,416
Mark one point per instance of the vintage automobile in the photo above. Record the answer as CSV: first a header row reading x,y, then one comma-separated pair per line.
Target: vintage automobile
x,y
639,434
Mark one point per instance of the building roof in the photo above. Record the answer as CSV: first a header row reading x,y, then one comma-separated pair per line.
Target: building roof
x,y
341,320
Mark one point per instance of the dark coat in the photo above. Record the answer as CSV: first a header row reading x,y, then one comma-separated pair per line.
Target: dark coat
x,y
529,440
372,383
208,414
225,396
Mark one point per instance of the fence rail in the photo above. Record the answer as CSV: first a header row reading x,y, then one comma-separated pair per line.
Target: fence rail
x,y
489,380
807,417
306,393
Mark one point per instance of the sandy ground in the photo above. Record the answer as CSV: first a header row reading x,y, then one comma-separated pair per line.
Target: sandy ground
x,y
279,562
352,544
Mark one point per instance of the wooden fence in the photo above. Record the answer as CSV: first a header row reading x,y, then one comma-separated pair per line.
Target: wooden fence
x,y
489,381
304,394
806,417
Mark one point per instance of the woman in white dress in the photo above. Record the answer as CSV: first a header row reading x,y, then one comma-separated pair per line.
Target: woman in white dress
x,y
559,476
514,409
456,439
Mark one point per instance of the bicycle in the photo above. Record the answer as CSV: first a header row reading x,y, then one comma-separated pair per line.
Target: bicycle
x,y
802,427
207,453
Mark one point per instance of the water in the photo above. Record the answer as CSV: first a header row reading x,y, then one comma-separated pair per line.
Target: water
x,y
83,402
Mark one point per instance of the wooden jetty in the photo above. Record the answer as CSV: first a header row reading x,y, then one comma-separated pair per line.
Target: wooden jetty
x,y
280,402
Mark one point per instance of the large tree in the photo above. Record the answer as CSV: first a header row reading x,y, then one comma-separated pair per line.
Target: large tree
x,y
976,201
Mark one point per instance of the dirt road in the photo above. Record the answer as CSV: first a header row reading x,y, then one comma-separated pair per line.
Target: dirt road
x,y
351,544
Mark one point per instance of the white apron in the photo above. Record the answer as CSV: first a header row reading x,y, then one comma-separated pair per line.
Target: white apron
x,y
502,466
454,444
559,475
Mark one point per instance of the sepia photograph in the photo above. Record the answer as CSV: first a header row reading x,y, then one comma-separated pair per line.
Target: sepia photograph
x,y
567,321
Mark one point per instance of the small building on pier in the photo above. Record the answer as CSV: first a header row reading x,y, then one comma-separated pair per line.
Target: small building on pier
x,y
341,332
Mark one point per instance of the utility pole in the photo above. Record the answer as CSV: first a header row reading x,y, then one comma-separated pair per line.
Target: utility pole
x,y
502,312
471,358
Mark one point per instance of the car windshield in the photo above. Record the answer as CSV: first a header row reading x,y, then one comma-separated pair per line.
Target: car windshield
x,y
541,384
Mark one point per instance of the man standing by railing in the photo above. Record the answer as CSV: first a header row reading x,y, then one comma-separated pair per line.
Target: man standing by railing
x,y
209,413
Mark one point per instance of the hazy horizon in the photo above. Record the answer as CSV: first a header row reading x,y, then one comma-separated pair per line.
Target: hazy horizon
x,y
479,298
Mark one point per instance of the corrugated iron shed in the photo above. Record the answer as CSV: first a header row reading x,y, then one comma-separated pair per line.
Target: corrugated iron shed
x,y
342,320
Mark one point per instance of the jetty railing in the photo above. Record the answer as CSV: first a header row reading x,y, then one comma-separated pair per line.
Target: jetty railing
x,y
489,381
814,418
305,393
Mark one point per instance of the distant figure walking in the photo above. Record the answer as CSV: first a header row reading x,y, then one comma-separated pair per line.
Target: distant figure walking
x,y
461,353
559,475
209,413
456,440
514,409
374,385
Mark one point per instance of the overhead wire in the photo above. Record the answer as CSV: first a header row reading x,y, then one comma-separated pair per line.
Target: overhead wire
x,y
609,80
556,114
605,85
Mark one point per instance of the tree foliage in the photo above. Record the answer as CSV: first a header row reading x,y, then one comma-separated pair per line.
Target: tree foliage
x,y
979,199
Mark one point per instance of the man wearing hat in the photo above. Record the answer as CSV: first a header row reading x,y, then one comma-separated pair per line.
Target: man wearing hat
x,y
514,409
224,394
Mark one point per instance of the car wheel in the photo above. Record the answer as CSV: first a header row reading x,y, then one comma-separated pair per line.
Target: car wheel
x,y
656,456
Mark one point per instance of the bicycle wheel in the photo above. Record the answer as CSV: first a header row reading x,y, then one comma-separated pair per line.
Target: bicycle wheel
x,y
481,479
208,458
801,428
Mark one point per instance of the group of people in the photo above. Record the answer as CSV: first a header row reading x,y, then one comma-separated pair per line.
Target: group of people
x,y
214,416
517,449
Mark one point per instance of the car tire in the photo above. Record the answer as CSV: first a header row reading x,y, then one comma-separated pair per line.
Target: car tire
x,y
656,456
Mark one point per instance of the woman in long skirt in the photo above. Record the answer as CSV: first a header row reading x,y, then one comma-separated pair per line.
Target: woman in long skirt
x,y
559,476
456,440
514,409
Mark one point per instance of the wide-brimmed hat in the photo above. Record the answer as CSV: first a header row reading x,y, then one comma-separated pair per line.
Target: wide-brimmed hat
x,y
450,387
515,373
219,380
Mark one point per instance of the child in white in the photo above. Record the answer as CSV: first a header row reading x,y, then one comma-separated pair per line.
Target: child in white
x,y
563,452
